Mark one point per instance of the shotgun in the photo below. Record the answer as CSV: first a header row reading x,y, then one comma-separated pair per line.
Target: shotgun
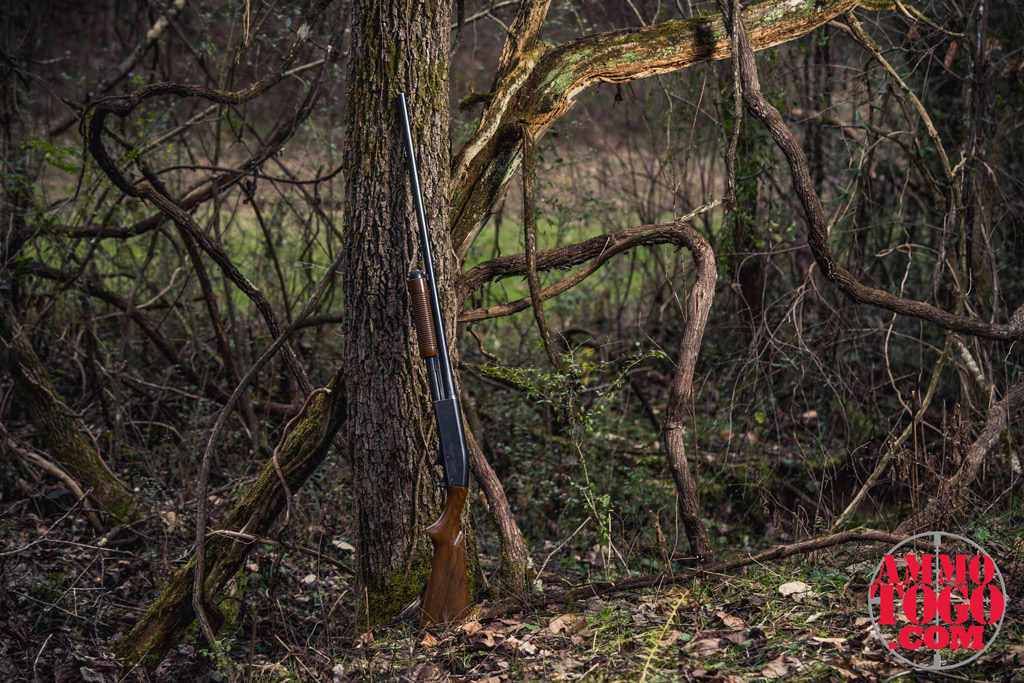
x,y
447,596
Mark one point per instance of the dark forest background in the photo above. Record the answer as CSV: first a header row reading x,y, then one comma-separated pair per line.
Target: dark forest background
x,y
123,336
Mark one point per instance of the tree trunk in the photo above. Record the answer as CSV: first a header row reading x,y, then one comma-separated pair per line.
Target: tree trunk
x,y
62,433
401,46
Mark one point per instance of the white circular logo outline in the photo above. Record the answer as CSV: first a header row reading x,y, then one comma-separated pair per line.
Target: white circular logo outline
x,y
937,660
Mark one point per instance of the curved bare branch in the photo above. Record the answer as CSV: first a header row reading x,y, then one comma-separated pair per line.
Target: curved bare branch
x,y
542,85
117,74
598,250
817,223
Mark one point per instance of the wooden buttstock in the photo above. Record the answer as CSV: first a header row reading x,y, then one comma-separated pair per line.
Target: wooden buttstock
x,y
447,596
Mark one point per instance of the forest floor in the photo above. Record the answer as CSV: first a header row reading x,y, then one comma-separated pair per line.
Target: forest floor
x,y
64,596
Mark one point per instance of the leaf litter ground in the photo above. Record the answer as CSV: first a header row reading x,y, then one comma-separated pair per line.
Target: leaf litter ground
x,y
64,598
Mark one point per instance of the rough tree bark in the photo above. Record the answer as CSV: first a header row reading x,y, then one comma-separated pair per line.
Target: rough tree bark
x,y
399,46
698,305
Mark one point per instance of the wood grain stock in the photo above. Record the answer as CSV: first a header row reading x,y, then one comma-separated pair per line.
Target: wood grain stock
x,y
447,596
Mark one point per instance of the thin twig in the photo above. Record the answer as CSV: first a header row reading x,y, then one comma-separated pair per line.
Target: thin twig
x,y
250,538
561,545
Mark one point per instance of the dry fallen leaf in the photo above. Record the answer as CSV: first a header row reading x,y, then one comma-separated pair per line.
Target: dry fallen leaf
x,y
486,640
171,520
1014,656
428,640
703,647
951,51
729,620
864,669
780,666
567,623
638,618
798,590
670,637
90,676
743,635
470,627
838,642
522,646
425,671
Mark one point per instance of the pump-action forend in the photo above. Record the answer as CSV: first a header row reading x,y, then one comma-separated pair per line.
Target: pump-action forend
x,y
447,595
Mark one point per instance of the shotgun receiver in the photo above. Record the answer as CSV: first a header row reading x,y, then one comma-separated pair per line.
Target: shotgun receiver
x,y
447,596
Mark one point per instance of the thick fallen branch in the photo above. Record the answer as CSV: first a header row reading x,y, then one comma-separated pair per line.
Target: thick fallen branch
x,y
638,582
218,430
301,451
62,432
8,443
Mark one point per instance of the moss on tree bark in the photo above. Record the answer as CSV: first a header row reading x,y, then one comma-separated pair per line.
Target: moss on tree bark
x,y
302,450
62,433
